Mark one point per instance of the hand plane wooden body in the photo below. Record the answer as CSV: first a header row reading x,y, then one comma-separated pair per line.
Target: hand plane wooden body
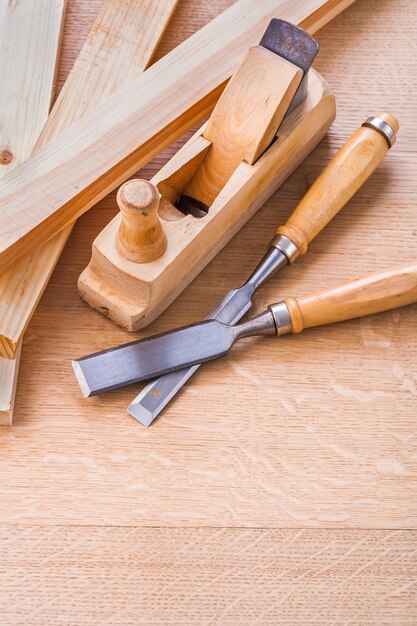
x,y
273,112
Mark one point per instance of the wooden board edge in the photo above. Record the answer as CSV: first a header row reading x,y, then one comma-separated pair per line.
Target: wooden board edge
x,y
9,368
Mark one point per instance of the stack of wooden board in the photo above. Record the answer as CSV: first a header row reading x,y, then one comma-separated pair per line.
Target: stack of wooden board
x,y
39,199
120,46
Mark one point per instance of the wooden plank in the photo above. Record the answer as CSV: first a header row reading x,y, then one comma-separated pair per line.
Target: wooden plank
x,y
102,150
114,53
153,577
119,47
316,430
29,44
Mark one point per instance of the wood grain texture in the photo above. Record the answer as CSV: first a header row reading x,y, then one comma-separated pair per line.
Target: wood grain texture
x,y
39,199
333,441
153,577
29,42
29,45
326,439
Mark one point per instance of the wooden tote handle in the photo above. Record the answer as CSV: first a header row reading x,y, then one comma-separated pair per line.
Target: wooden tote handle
x,y
346,172
366,295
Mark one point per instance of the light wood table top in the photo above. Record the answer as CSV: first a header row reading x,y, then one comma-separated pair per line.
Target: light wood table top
x,y
280,486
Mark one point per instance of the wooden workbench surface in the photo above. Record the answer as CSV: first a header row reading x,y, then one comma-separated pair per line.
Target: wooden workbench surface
x,y
280,486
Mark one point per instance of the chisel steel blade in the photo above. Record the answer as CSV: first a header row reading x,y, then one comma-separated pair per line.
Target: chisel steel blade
x,y
152,357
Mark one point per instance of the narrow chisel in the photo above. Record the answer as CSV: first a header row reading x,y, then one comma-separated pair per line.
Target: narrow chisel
x,y
212,339
348,170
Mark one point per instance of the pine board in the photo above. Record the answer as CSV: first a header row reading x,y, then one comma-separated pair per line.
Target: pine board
x,y
29,46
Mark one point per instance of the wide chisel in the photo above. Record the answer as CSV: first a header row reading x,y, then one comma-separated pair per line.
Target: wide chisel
x,y
212,339
348,170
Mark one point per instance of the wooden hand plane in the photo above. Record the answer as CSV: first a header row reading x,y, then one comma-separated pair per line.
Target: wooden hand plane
x,y
273,112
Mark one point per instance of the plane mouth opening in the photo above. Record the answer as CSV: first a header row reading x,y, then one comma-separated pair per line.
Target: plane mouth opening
x,y
191,206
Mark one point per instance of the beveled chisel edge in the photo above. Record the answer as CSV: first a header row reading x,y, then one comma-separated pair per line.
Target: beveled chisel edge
x,y
156,395
141,414
85,389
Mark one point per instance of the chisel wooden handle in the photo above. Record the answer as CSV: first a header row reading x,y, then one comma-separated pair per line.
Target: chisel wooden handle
x,y
366,295
346,172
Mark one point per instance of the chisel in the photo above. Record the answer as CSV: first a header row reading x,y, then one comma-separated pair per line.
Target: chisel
x,y
342,178
212,339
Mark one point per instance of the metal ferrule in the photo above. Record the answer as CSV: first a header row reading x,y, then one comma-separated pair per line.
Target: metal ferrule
x,y
383,128
272,262
282,318
286,246
262,324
